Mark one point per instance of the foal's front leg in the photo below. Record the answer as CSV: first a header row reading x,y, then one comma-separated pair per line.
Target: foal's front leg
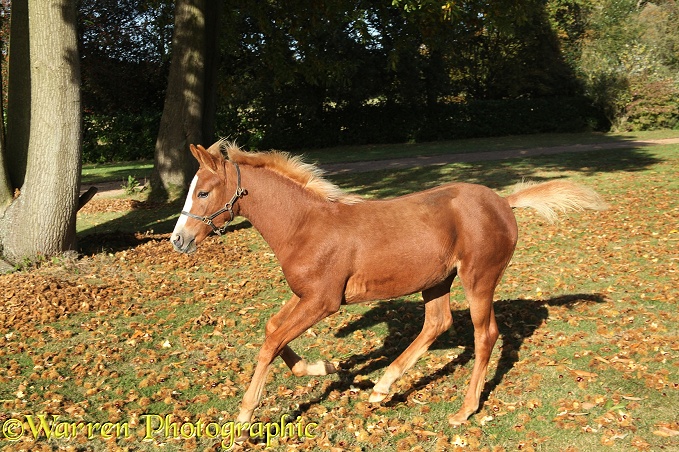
x,y
298,365
306,313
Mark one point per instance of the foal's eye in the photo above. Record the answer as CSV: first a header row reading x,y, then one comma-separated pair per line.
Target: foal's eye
x,y
202,194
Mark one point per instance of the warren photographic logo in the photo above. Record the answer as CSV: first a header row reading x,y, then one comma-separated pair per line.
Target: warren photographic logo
x,y
155,428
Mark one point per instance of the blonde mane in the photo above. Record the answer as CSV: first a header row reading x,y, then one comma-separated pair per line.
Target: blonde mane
x,y
309,176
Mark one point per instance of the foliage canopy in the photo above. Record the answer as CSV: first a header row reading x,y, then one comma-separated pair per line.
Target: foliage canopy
x,y
301,74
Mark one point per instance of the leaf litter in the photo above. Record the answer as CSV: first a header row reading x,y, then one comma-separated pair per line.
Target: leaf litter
x,y
588,355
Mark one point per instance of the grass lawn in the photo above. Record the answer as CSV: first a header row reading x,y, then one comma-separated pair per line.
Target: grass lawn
x,y
138,335
390,151
113,172
141,170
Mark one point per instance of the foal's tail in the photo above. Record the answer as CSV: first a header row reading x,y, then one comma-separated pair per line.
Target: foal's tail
x,y
550,198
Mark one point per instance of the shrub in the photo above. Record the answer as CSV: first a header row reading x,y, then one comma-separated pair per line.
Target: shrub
x,y
123,137
654,105
128,137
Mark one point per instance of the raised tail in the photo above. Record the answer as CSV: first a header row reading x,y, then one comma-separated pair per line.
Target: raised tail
x,y
554,197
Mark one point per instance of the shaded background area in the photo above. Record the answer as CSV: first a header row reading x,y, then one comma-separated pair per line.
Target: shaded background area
x,y
298,75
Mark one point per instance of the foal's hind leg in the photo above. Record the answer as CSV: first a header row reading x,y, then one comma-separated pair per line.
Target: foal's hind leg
x,y
437,319
479,290
297,364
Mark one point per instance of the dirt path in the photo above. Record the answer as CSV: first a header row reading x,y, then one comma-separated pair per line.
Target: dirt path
x,y
411,162
110,189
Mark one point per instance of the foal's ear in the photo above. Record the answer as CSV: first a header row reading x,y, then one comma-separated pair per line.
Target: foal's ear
x,y
204,158
194,151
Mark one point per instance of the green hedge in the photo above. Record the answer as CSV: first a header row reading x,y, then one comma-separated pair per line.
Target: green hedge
x,y
290,129
511,117
128,137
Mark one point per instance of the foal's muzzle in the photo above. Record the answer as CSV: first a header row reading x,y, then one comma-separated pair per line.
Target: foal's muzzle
x,y
182,244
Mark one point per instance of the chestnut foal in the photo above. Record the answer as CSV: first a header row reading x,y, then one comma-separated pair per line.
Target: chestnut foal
x,y
336,249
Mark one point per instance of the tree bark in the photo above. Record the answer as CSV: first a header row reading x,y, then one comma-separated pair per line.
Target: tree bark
x,y
40,222
183,113
5,184
213,15
18,94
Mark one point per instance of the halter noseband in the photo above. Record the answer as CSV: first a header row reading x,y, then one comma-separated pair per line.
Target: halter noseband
x,y
228,207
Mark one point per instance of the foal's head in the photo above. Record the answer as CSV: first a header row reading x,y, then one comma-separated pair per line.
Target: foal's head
x,y
211,200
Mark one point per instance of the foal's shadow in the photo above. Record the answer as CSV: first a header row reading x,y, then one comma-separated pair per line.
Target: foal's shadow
x,y
517,321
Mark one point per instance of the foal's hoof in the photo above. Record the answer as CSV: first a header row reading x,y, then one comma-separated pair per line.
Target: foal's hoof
x,y
302,368
457,419
377,397
238,443
321,368
242,439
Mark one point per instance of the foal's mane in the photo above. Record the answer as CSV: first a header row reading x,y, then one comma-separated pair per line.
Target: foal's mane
x,y
309,176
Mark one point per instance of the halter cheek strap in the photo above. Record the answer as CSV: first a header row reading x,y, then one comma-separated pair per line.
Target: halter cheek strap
x,y
228,207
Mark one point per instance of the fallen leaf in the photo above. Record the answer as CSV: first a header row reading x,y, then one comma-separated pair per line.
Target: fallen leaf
x,y
583,373
666,432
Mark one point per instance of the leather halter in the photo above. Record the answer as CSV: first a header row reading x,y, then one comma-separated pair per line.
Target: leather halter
x,y
228,207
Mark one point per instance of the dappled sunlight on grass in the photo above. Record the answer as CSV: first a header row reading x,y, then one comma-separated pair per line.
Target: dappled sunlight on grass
x,y
501,175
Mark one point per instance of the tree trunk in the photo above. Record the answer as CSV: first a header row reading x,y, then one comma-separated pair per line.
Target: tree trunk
x,y
40,222
183,113
212,23
18,94
5,184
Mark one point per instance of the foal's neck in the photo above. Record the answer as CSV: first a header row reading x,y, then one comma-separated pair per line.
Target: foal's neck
x,y
276,206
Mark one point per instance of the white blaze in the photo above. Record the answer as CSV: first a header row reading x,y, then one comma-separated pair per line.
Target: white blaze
x,y
187,207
